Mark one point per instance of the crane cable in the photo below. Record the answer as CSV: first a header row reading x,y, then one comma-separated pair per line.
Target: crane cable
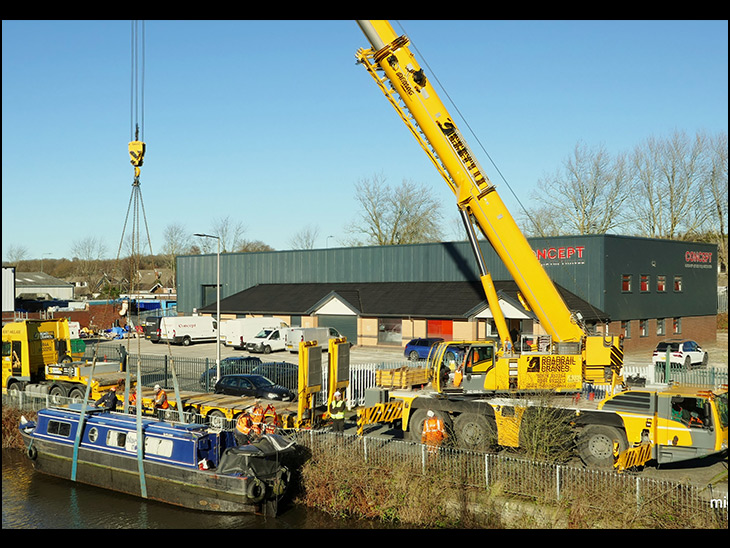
x,y
542,234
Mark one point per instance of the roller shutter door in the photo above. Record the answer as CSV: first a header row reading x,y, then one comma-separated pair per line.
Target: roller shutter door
x,y
345,325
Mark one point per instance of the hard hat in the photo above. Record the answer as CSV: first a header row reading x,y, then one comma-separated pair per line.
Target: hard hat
x,y
430,413
113,388
157,387
337,394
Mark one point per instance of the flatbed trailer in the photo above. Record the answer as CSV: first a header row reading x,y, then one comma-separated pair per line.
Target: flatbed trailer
x,y
217,408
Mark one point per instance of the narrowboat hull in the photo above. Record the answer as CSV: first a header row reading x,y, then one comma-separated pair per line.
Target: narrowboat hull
x,y
193,488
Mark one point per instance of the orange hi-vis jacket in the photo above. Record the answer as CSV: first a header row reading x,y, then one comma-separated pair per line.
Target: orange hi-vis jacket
x,y
434,432
161,400
244,423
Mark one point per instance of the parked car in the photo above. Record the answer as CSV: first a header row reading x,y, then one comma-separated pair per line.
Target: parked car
x,y
283,373
253,385
228,367
683,354
418,349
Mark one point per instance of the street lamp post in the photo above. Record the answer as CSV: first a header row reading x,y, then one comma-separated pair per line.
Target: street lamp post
x,y
217,306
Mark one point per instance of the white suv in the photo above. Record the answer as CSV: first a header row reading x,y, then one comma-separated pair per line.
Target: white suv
x,y
682,354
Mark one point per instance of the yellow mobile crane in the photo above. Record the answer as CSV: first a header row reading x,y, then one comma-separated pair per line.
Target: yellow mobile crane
x,y
495,383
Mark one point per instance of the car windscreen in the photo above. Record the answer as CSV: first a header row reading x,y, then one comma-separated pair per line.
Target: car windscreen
x,y
261,382
263,334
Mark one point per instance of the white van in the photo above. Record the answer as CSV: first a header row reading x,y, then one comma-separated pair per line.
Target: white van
x,y
295,335
187,330
239,331
269,339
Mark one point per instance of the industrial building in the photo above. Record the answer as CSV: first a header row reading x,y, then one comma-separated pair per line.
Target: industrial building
x,y
645,289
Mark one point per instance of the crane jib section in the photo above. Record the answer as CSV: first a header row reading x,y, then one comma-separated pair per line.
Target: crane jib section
x,y
412,95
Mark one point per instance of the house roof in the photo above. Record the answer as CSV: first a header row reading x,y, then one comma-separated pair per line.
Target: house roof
x,y
38,279
398,299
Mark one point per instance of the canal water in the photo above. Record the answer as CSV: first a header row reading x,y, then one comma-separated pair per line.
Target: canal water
x,y
36,501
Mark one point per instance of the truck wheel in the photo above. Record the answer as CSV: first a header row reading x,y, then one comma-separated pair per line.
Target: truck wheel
x,y
595,445
57,392
14,389
186,341
475,432
217,419
267,349
77,395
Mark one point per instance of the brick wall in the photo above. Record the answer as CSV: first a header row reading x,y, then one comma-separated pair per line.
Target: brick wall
x,y
702,329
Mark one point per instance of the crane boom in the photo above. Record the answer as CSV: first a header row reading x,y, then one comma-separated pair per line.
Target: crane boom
x,y
404,83
423,111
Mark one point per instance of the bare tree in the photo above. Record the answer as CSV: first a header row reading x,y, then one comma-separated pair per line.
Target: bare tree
x,y
405,214
247,246
585,196
88,251
668,186
230,234
16,253
305,238
176,240
717,194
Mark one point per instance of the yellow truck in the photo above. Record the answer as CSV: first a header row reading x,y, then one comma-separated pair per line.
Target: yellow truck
x,y
38,358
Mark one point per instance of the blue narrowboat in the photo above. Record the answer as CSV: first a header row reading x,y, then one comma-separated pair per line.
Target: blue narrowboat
x,y
189,465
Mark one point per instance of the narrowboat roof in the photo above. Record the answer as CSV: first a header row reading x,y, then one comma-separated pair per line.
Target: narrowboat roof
x,y
150,425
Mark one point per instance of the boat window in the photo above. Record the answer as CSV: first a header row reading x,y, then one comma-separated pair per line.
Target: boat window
x,y
115,438
93,434
158,446
58,428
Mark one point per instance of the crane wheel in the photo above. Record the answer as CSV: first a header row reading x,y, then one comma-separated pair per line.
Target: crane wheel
x,y
596,445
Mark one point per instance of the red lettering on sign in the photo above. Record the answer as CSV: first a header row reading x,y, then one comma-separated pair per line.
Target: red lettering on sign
x,y
697,257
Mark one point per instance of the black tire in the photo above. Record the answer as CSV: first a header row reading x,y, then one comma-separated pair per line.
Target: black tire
x,y
267,349
32,453
255,490
475,432
77,394
186,341
705,359
14,389
416,420
56,392
217,419
413,356
595,445
687,363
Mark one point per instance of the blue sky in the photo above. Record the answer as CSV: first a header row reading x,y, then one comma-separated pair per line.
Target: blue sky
x,y
271,123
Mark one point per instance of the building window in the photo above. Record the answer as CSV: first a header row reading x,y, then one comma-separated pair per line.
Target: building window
x,y
661,284
643,328
389,331
677,326
626,283
626,329
644,283
660,327
678,284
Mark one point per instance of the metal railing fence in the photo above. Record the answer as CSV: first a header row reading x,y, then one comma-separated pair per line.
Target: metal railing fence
x,y
191,372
